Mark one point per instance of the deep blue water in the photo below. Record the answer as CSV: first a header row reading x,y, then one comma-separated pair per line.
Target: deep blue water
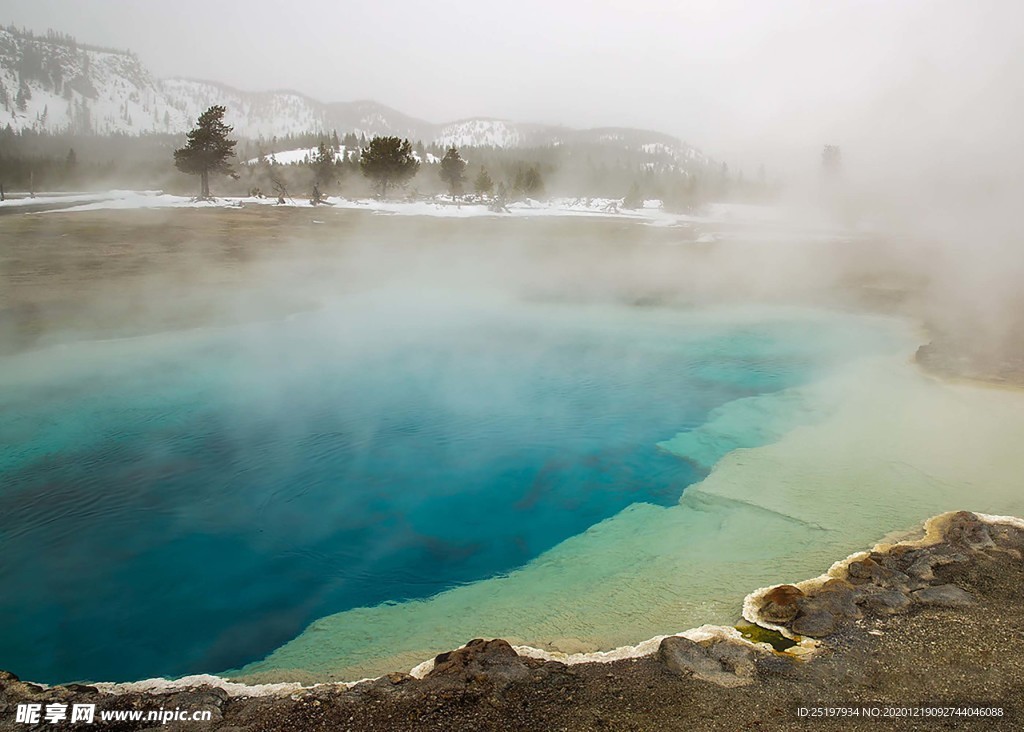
x,y
188,502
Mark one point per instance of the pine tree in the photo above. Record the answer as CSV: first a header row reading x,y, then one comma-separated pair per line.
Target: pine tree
x,y
323,168
388,161
519,182
453,171
22,97
207,149
483,183
532,184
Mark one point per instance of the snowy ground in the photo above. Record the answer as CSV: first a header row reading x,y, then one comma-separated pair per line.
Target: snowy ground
x,y
18,200
714,222
305,154
439,206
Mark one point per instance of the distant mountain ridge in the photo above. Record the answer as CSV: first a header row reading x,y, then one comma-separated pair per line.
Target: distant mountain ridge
x,y
52,83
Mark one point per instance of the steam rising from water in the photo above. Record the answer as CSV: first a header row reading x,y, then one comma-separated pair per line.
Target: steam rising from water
x,y
885,447
213,491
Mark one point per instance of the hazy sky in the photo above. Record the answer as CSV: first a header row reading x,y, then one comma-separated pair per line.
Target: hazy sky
x,y
749,80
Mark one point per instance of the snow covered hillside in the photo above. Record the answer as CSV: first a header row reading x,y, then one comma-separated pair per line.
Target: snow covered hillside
x,y
52,83
480,133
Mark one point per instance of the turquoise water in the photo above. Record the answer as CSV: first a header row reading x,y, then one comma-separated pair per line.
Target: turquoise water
x,y
189,502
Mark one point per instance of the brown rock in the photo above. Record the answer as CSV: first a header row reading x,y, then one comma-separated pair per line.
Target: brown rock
x,y
868,571
887,602
779,604
943,596
967,529
1007,536
861,571
482,661
717,662
836,597
815,623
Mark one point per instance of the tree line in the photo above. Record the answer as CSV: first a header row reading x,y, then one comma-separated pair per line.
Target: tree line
x,y
358,166
388,162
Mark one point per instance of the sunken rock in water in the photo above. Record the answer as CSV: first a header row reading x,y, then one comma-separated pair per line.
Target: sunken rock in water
x,y
717,661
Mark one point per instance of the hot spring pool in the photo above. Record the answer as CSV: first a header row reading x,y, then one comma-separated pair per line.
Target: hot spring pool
x,y
190,502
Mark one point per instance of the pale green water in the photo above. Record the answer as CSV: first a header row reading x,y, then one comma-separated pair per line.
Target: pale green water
x,y
190,501
881,448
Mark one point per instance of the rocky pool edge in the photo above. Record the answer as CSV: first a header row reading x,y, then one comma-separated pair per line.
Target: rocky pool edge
x,y
889,579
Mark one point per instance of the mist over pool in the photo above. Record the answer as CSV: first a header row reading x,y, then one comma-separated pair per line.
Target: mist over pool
x,y
190,501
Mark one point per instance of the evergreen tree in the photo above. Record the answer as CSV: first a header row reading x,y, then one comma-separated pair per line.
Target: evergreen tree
x,y
388,161
207,149
22,97
483,183
532,183
453,171
519,183
323,165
